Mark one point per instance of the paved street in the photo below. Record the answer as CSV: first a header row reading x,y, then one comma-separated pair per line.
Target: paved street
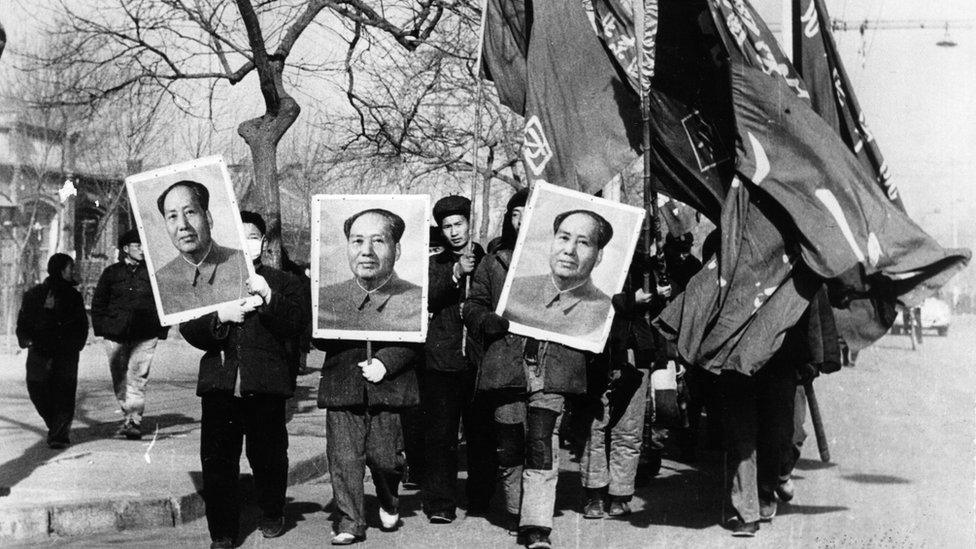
x,y
901,428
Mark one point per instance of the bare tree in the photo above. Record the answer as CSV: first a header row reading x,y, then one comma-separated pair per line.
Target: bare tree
x,y
171,43
427,113
37,141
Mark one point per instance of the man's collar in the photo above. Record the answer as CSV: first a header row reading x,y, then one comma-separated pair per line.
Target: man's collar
x,y
377,297
206,269
563,299
202,261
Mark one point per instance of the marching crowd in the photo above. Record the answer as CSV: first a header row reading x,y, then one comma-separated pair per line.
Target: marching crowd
x,y
397,408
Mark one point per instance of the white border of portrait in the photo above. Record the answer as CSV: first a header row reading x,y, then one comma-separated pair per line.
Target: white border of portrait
x,y
132,180
539,190
369,201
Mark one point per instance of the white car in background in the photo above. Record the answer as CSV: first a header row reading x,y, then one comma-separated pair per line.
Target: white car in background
x,y
936,315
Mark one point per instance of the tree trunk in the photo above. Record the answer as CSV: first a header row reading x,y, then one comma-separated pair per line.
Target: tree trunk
x,y
262,136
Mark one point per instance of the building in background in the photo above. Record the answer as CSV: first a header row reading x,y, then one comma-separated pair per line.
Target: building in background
x,y
49,204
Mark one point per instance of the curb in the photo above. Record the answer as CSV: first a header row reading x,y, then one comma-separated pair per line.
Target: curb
x,y
60,520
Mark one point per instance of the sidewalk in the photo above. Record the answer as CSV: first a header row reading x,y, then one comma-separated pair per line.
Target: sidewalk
x,y
104,484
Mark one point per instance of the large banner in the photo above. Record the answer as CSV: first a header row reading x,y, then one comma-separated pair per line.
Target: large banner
x,y
369,267
571,257
192,236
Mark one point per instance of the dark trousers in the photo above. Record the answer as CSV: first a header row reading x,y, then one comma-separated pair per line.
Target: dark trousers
x,y
227,421
792,456
446,398
757,417
357,438
413,438
51,383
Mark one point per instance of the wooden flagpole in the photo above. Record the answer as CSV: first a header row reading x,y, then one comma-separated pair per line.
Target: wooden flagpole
x,y
652,222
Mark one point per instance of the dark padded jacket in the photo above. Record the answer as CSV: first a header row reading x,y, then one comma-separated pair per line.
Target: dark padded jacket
x,y
343,385
262,348
123,308
444,298
52,319
498,354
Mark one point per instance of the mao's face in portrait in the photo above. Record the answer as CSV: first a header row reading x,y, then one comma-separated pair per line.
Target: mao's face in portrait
x,y
574,251
371,251
187,222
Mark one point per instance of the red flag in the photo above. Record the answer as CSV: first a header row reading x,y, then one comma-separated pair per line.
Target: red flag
x,y
798,207
504,49
574,134
832,97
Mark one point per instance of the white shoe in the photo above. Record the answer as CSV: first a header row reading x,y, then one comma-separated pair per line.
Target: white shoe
x,y
389,520
344,538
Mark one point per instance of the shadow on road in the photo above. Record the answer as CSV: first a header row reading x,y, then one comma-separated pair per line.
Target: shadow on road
x,y
16,470
812,465
787,509
295,513
867,478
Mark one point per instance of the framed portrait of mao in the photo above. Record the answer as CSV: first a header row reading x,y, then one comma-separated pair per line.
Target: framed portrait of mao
x,y
369,267
192,237
572,255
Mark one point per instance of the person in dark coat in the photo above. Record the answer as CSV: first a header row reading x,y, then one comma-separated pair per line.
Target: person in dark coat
x,y
609,463
246,376
758,415
529,381
53,326
124,313
413,418
304,345
363,396
447,393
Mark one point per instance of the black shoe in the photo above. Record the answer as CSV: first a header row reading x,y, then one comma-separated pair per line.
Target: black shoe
x,y
130,430
785,490
441,517
745,529
535,537
619,507
593,509
222,543
272,527
58,444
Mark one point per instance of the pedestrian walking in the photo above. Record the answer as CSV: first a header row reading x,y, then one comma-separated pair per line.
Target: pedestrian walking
x,y
447,393
529,380
608,465
53,326
366,385
247,374
124,314
412,418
